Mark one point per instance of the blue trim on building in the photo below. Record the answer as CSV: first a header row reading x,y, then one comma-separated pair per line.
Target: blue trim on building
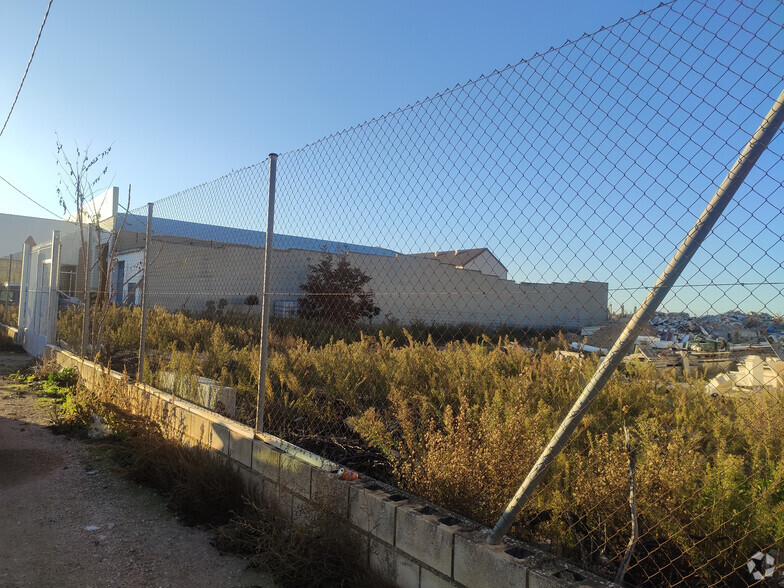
x,y
176,228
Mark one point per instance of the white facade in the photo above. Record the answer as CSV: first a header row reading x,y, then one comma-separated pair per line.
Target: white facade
x,y
487,263
15,230
408,289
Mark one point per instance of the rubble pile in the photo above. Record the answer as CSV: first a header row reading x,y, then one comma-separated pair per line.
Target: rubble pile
x,y
734,327
606,335
753,343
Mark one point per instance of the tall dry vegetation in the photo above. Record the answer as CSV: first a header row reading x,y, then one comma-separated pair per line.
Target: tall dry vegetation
x,y
461,425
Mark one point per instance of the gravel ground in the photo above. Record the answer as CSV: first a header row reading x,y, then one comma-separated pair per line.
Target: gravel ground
x,y
66,519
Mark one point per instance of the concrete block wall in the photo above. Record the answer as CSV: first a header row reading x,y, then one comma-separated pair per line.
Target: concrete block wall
x,y
7,337
405,540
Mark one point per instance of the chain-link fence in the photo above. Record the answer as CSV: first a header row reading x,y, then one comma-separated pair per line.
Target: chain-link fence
x,y
444,280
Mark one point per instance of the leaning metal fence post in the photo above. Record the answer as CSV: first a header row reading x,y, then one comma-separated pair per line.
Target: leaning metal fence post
x,y
145,274
87,272
265,297
755,147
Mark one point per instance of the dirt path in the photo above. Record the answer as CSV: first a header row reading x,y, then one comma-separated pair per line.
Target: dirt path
x,y
67,520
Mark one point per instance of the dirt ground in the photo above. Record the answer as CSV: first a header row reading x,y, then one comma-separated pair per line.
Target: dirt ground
x,y
66,519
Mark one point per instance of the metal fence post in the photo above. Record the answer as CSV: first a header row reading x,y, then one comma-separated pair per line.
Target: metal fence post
x,y
24,278
702,228
140,371
87,272
265,298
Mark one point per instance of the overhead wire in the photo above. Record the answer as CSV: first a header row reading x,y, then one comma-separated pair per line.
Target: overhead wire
x,y
30,199
27,69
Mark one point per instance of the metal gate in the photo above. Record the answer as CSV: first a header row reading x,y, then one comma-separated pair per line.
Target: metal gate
x,y
38,295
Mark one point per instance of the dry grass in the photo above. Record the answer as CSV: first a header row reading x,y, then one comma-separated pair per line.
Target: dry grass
x,y
204,488
460,424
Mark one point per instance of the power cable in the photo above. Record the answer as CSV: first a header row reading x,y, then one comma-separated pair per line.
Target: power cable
x,y
30,199
27,69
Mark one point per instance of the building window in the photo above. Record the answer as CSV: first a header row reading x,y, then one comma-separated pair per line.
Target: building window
x,y
68,280
131,296
285,307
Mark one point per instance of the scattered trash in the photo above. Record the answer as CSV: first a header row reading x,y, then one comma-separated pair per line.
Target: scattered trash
x,y
92,528
568,355
98,430
705,344
347,474
608,333
587,331
93,472
662,344
589,348
110,526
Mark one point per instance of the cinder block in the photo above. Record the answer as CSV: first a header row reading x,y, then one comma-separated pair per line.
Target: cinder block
x,y
392,566
254,484
266,461
177,422
189,432
303,512
273,495
558,574
425,539
219,437
249,479
295,475
157,408
330,492
374,512
428,579
362,542
198,429
241,447
382,560
477,563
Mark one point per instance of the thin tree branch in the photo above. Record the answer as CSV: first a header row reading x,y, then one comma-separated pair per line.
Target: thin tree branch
x,y
627,557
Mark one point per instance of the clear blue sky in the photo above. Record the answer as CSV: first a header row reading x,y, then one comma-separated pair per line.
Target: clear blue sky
x,y
592,168
186,92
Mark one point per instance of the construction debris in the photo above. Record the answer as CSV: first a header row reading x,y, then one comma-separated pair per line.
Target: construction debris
x,y
753,375
605,335
734,327
682,343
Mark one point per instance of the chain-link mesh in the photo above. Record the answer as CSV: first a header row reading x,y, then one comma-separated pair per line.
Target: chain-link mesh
x,y
445,278
203,290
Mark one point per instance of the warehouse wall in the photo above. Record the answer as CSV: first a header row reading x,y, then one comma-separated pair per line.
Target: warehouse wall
x,y
185,274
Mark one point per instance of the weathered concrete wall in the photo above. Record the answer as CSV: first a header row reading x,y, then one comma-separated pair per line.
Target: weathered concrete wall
x,y
405,540
7,337
186,274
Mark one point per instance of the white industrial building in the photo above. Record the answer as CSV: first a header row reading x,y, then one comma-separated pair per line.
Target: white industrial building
x,y
452,288
192,264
